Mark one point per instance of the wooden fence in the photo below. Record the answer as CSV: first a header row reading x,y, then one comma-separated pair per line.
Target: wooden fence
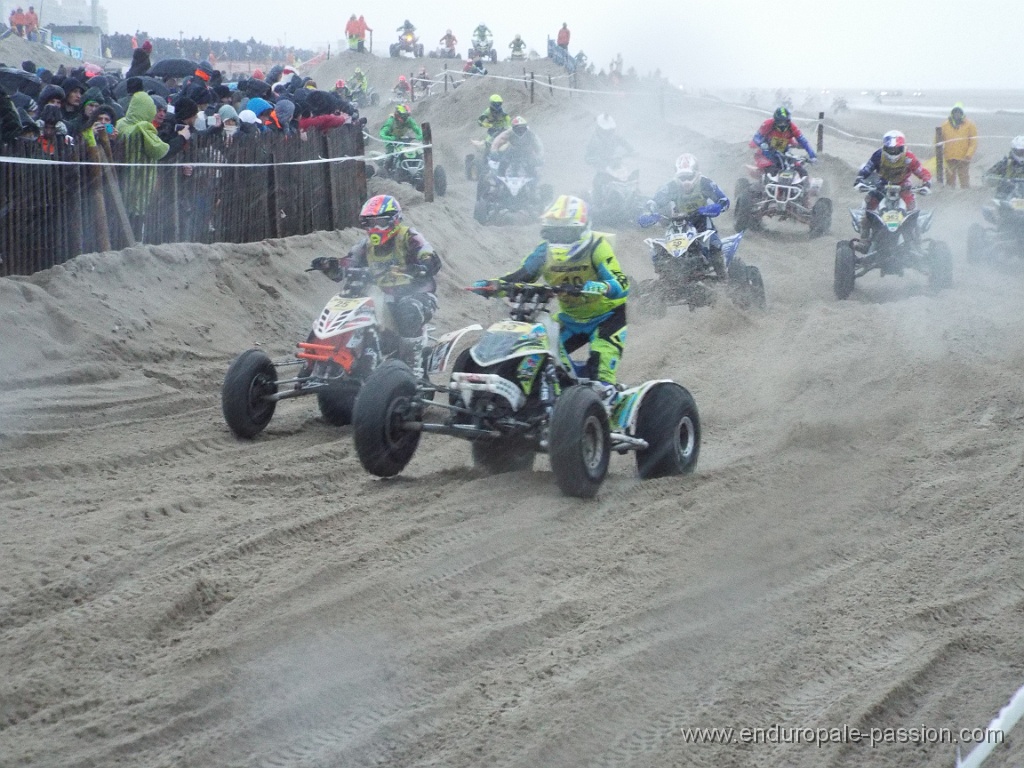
x,y
50,213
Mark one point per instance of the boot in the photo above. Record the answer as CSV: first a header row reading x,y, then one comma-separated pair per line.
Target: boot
x,y
718,262
410,352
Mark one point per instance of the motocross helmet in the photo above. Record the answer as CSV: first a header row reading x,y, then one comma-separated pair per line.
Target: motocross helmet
x,y
687,172
894,145
448,32
359,71
519,125
782,119
496,103
565,225
606,122
1017,149
339,85
379,218
401,113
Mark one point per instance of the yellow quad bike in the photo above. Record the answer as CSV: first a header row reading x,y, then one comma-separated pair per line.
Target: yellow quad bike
x,y
516,393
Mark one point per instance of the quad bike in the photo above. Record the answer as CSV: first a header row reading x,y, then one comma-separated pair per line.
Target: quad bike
x,y
839,105
484,49
407,43
686,274
509,194
409,167
615,197
349,339
1006,214
783,191
368,97
890,240
515,393
444,53
517,56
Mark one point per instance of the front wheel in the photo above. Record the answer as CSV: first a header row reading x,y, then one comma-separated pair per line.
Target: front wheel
x,y
440,181
245,397
845,270
374,99
668,420
977,243
579,443
744,210
821,217
940,272
384,404
337,401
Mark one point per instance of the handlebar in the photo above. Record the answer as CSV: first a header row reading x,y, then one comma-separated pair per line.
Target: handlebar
x,y
526,291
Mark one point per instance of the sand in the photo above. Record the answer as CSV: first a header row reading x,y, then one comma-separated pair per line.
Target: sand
x,y
847,554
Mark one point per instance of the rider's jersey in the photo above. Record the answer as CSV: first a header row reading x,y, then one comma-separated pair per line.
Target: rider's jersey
x,y
686,204
449,41
481,33
517,45
594,261
1007,169
495,123
392,131
781,140
604,148
894,172
406,248
358,81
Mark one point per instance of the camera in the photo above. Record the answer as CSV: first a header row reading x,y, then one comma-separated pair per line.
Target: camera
x,y
110,127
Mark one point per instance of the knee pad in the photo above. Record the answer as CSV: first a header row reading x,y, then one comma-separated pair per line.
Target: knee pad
x,y
408,317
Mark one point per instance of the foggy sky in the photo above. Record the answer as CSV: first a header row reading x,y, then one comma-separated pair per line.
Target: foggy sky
x,y
715,43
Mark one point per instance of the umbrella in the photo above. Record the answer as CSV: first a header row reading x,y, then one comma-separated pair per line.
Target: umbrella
x,y
173,68
149,85
12,79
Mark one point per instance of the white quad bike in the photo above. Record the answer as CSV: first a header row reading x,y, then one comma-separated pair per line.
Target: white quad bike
x,y
515,393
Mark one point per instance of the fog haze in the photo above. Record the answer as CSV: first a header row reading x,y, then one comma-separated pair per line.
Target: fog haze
x,y
727,43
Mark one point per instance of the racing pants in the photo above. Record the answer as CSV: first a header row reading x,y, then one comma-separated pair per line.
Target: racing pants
x,y
606,336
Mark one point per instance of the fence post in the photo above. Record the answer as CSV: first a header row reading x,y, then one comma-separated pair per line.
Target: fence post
x,y
96,185
446,77
325,151
115,192
821,131
551,90
428,164
939,155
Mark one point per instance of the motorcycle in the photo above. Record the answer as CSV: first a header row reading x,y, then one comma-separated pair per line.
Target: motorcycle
x,y
515,393
347,343
685,274
510,193
1006,215
407,43
365,97
409,167
483,48
890,240
783,191
615,196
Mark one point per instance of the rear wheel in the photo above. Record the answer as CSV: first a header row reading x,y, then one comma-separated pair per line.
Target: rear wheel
x,y
249,382
374,99
668,420
845,270
578,442
440,181
744,209
821,217
977,243
383,406
940,273
755,288
337,401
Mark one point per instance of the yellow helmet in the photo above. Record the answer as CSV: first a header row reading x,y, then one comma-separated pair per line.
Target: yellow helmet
x,y
565,225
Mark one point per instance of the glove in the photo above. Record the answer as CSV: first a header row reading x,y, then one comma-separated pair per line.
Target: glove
x,y
925,189
647,219
324,263
765,146
419,270
712,209
485,287
861,185
596,286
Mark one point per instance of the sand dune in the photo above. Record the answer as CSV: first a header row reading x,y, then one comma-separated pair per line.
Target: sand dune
x,y
848,552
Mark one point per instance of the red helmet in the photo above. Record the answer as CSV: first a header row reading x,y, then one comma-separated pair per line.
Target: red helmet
x,y
340,84
258,74
379,217
894,144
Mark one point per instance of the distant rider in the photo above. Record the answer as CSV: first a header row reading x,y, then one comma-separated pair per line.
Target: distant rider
x,y
449,41
358,80
691,194
495,119
518,147
481,34
475,66
893,163
390,246
572,255
1008,170
775,136
399,130
406,27
605,147
402,88
518,47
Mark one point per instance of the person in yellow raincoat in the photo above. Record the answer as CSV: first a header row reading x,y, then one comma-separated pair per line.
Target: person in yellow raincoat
x,y
959,141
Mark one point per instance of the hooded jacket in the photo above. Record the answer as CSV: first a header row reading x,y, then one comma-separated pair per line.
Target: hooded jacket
x,y
960,140
142,146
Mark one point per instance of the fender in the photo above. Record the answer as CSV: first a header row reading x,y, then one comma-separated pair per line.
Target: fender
x,y
627,408
442,350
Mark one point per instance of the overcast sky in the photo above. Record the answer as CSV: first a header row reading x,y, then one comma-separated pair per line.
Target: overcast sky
x,y
723,43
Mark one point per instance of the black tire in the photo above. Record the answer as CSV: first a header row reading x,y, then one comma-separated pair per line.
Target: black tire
x,y
337,401
755,288
744,211
470,167
845,270
668,420
250,379
374,99
742,185
384,449
481,211
499,456
821,217
579,445
940,267
977,243
393,50
440,181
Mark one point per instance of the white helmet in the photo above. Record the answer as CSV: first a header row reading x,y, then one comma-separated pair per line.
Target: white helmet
x,y
687,171
1017,149
894,144
606,122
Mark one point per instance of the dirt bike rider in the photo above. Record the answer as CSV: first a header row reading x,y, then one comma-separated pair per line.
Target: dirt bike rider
x,y
358,80
481,36
341,88
893,163
399,130
518,146
422,79
1009,169
606,148
495,119
475,66
449,41
572,255
773,138
402,88
691,194
518,47
407,27
392,247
